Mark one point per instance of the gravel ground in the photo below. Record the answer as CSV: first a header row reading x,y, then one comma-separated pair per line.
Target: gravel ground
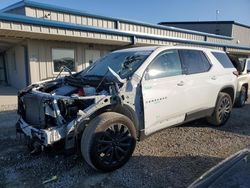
x,y
174,157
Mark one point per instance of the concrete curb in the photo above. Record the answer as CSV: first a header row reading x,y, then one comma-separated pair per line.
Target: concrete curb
x,y
6,107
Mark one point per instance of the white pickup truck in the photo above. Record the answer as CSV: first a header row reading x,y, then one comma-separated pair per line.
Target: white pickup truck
x,y
244,83
243,67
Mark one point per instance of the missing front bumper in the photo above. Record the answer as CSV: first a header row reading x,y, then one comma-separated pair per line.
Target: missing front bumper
x,y
43,136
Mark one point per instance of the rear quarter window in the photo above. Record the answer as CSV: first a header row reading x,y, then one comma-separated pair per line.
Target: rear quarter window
x,y
223,59
194,61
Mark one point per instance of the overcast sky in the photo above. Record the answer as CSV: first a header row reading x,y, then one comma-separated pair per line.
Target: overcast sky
x,y
155,11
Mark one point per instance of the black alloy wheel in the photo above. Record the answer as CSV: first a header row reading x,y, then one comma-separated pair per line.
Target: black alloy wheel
x,y
108,141
113,145
224,109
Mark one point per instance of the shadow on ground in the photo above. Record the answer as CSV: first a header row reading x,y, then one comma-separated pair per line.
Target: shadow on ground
x,y
239,122
174,157
8,91
8,120
140,171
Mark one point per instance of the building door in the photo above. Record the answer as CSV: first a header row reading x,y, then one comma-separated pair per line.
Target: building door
x,y
91,56
16,60
3,76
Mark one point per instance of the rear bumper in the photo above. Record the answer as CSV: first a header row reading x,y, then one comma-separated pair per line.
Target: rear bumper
x,y
43,136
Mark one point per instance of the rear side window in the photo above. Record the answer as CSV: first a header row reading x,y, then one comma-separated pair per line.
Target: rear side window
x,y
223,59
194,61
248,66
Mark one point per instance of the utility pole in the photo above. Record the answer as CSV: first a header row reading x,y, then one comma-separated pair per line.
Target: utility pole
x,y
217,30
217,14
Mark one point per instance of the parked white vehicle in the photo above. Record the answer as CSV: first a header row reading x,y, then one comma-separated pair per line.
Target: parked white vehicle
x,y
243,83
125,96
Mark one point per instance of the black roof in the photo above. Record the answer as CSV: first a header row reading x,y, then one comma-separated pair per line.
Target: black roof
x,y
205,22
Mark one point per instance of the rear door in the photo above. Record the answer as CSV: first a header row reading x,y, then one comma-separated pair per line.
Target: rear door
x,y
200,83
163,91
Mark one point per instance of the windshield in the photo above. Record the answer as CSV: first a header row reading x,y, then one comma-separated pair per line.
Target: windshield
x,y
123,63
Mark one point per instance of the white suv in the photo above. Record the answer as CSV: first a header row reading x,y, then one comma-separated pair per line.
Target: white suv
x,y
125,96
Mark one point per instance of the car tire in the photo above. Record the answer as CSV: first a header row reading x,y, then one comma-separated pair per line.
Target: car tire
x,y
242,97
222,110
108,141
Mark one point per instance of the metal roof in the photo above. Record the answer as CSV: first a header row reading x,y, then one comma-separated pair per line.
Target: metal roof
x,y
81,13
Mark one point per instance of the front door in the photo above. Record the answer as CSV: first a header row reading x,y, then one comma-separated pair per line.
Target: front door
x,y
163,89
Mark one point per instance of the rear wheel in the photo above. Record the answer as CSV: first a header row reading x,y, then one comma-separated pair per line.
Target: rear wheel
x,y
109,141
242,97
222,110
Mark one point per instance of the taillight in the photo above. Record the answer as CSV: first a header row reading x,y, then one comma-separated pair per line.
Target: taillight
x,y
81,92
236,73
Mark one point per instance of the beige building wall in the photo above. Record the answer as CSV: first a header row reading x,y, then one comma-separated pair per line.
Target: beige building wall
x,y
69,18
241,35
116,24
40,56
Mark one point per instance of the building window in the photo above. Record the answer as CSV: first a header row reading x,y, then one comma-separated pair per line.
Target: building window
x,y
63,57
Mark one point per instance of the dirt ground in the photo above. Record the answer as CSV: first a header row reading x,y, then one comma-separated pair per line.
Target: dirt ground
x,y
174,157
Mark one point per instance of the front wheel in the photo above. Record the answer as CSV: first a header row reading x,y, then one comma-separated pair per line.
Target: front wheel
x,y
222,110
108,141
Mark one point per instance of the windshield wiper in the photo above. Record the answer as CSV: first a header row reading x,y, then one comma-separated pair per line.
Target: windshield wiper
x,y
91,76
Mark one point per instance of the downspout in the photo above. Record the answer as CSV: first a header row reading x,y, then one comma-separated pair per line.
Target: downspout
x,y
4,68
27,70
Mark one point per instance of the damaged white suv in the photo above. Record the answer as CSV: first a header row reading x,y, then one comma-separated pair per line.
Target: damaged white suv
x,y
125,96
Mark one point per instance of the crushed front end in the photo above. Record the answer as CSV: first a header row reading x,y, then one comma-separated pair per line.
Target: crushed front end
x,y
57,110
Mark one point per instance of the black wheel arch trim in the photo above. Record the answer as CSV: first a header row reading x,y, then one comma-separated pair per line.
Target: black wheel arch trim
x,y
223,90
124,109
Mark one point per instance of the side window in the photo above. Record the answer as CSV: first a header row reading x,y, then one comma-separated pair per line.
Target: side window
x,y
223,59
194,61
165,65
248,66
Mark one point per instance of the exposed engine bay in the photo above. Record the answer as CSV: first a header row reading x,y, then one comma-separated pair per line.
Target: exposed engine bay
x,y
70,94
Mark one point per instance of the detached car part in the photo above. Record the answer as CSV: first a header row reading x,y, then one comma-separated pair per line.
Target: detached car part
x,y
231,172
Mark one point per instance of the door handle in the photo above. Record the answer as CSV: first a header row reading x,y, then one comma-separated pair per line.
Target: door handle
x,y
213,77
181,83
